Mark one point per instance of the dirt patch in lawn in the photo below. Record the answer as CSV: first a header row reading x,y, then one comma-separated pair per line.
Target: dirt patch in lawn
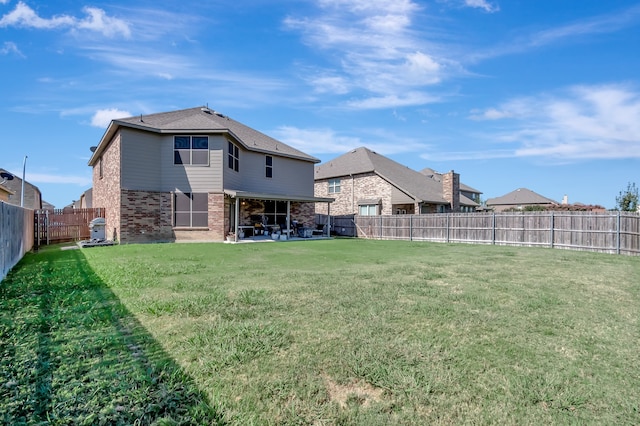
x,y
358,392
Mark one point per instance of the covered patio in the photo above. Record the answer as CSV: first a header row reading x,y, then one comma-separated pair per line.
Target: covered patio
x,y
274,217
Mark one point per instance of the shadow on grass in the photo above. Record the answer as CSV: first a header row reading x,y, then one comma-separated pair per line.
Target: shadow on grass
x,y
71,353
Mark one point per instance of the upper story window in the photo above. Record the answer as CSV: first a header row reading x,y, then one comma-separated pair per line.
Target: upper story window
x,y
268,161
234,157
193,150
334,186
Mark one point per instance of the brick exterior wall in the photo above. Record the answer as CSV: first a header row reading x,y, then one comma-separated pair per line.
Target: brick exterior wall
x,y
106,188
451,190
364,186
145,217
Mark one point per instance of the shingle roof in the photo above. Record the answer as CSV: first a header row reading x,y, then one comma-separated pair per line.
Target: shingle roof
x,y
437,176
204,120
363,160
521,196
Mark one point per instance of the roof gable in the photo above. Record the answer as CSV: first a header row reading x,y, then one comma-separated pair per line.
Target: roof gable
x,y
202,120
520,196
363,160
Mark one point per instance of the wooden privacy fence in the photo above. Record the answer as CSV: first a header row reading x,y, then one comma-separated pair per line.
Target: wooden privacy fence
x,y
343,225
16,235
62,225
610,232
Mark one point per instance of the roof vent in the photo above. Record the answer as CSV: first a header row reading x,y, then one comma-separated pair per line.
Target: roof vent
x,y
206,110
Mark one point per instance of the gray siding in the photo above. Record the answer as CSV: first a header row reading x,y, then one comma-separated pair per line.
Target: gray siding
x,y
140,157
290,176
147,164
187,178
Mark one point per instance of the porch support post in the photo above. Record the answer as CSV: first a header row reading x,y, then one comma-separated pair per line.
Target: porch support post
x,y
237,214
328,219
288,219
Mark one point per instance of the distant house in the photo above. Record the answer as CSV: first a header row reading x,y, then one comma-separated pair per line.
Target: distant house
x,y
5,193
13,190
519,199
367,183
196,174
47,206
86,199
465,190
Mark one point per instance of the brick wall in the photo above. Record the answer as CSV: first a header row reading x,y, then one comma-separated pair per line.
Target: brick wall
x,y
106,188
451,190
364,186
145,216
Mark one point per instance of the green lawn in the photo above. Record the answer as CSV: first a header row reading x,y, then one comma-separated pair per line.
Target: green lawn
x,y
320,332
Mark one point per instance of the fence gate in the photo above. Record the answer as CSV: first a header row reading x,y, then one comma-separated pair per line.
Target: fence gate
x,y
63,225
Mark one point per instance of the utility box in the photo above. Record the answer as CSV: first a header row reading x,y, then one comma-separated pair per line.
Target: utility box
x,y
97,227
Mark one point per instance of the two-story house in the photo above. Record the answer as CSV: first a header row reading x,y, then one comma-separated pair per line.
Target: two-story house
x,y
366,183
12,190
196,174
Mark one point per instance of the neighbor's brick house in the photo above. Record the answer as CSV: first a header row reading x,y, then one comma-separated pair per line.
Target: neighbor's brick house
x,y
12,193
196,174
367,183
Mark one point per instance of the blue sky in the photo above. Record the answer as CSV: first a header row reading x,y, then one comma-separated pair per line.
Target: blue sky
x,y
541,94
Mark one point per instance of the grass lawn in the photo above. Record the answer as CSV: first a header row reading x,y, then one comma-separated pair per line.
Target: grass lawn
x,y
320,332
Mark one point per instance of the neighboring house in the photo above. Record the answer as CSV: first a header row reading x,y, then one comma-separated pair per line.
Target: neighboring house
x,y
86,199
5,194
367,183
47,206
32,195
196,174
467,193
519,199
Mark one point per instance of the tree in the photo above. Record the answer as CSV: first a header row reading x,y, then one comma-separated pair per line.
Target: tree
x,y
627,201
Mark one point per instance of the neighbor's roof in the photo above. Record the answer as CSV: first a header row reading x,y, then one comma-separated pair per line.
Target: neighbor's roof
x,y
201,120
7,190
437,176
363,160
521,196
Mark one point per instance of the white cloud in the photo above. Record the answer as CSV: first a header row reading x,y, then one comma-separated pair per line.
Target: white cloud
x,y
582,122
10,47
601,24
58,179
392,100
97,20
377,52
103,117
326,141
482,4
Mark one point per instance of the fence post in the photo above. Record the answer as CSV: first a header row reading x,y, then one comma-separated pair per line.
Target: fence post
x,y
493,229
618,233
552,226
411,228
448,214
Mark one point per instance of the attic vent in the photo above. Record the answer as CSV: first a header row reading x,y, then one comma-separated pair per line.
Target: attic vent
x,y
219,114
205,110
